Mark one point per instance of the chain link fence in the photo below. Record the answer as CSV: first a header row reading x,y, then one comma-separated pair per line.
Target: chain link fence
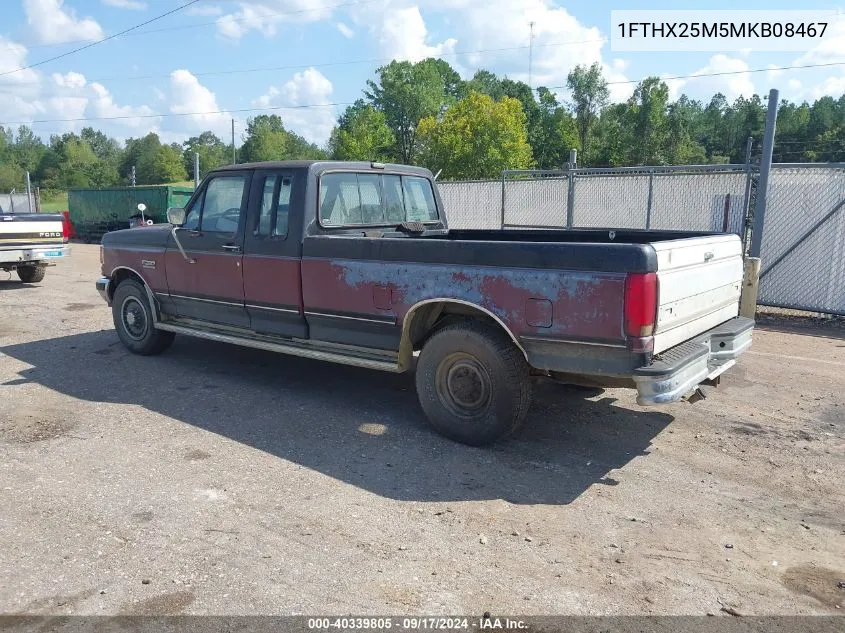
x,y
702,198
18,203
803,244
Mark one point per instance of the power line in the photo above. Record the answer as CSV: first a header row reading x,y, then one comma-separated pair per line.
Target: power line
x,y
105,39
213,23
239,71
177,114
719,74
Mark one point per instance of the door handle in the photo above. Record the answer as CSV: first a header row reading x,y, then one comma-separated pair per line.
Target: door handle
x,y
232,248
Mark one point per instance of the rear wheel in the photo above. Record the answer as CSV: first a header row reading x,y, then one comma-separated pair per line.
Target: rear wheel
x,y
133,320
473,383
31,274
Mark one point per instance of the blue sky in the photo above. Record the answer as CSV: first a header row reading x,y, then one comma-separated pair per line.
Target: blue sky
x,y
234,55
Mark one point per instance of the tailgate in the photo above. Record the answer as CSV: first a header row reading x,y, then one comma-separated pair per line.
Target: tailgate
x,y
20,231
699,283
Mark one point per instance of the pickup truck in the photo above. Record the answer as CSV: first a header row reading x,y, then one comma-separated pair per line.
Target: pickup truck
x,y
29,242
354,263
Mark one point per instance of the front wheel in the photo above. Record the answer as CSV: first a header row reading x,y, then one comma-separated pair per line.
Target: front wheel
x,y
31,274
473,383
133,320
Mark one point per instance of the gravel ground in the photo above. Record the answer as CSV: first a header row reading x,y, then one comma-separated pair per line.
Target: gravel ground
x,y
219,480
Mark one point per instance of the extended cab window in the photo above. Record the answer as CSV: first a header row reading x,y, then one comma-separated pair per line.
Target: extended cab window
x,y
218,209
275,206
348,199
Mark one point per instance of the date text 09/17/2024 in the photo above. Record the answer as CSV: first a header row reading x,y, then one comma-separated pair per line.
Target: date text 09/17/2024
x,y
416,623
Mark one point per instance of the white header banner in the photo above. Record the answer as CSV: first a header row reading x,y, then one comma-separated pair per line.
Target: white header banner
x,y
721,31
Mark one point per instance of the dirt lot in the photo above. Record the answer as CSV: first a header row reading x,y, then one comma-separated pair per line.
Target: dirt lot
x,y
213,479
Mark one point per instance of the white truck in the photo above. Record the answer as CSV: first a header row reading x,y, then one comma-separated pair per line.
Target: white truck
x,y
30,242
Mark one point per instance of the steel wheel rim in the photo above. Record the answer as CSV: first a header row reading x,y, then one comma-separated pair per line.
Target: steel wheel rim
x,y
463,384
133,317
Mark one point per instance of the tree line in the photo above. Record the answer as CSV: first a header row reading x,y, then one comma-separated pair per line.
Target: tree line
x,y
424,113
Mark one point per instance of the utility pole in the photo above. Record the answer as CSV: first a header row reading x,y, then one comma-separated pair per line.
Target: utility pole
x,y
132,176
765,168
234,159
530,51
196,170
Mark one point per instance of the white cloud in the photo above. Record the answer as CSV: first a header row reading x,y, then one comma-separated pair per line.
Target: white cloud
x,y
345,30
13,56
618,85
102,105
69,80
264,16
831,49
309,87
53,23
732,86
133,5
203,9
403,36
188,96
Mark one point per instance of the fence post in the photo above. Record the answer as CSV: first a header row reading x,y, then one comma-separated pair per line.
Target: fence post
x,y
504,172
570,191
650,198
28,192
765,168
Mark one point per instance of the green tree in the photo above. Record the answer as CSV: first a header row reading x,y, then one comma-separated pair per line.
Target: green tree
x,y
684,119
361,134
140,153
648,118
476,138
589,95
612,138
213,153
406,93
266,139
167,165
553,134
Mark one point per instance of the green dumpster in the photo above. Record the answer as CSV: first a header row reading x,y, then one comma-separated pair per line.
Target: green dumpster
x,y
94,212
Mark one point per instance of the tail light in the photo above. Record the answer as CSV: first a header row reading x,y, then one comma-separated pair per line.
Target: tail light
x,y
640,304
65,229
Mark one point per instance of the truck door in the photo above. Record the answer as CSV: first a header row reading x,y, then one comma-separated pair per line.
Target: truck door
x,y
273,252
208,285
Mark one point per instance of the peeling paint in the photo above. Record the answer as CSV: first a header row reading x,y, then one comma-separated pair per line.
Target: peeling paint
x,y
583,304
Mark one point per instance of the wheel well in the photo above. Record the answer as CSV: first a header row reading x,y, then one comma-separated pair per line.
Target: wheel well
x,y
119,276
423,319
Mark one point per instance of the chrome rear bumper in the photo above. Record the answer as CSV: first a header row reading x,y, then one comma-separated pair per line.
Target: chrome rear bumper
x,y
677,372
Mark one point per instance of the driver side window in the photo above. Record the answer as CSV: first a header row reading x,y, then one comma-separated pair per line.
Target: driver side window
x,y
218,209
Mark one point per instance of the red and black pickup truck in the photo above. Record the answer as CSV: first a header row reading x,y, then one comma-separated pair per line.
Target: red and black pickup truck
x,y
354,263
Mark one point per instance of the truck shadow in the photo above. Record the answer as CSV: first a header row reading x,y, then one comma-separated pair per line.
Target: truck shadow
x,y
361,427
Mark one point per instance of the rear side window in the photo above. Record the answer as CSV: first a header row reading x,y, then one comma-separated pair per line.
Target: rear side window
x,y
348,199
275,206
419,200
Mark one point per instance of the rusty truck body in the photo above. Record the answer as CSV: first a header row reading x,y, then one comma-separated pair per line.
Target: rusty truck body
x,y
355,263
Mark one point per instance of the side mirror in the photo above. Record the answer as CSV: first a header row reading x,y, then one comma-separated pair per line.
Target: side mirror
x,y
176,216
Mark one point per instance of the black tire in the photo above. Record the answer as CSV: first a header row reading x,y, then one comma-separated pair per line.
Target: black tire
x,y
133,320
31,274
473,383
